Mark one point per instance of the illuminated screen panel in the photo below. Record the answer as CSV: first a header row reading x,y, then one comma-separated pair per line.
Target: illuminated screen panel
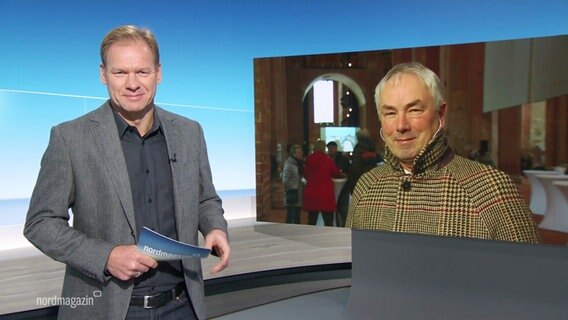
x,y
323,101
345,137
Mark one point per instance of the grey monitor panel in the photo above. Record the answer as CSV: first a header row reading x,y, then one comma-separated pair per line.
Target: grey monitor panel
x,y
409,276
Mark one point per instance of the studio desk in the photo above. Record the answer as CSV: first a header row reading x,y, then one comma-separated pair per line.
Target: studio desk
x,y
276,270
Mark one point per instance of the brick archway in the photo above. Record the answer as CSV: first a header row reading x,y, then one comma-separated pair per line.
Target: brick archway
x,y
347,81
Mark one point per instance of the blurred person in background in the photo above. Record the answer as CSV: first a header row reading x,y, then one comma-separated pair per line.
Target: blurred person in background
x,y
293,186
319,193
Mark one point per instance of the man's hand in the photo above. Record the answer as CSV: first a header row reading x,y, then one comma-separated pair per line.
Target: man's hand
x,y
127,262
217,240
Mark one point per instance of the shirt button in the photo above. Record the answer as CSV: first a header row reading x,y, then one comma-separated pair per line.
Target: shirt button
x,y
150,200
147,171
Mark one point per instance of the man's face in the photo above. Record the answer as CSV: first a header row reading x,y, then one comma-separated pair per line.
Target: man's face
x,y
331,150
131,77
408,117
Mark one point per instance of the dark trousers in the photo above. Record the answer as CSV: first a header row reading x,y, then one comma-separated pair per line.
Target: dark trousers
x,y
177,309
327,218
342,207
293,214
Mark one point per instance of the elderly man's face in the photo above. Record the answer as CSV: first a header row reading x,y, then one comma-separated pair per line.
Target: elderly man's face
x,y
408,117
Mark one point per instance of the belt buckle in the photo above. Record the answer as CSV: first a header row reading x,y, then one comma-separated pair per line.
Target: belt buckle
x,y
146,299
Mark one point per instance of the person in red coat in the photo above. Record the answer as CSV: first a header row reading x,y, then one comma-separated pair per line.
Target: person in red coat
x,y
319,194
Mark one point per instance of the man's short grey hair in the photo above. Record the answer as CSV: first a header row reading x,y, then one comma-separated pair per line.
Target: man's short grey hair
x,y
432,81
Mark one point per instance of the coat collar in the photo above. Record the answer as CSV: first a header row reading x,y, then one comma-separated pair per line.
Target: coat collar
x,y
434,156
105,134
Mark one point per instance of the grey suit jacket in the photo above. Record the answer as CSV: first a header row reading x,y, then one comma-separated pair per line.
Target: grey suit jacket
x,y
84,169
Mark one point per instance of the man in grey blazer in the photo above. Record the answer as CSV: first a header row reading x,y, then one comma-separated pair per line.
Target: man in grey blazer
x,y
126,165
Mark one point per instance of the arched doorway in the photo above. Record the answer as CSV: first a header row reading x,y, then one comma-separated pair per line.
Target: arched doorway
x,y
349,104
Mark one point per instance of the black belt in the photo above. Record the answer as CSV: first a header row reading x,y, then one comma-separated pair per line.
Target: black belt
x,y
158,299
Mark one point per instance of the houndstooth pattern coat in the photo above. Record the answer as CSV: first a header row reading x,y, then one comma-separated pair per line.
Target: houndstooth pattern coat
x,y
445,195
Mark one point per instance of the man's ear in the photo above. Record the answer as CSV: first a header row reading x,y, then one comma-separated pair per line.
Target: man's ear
x,y
442,112
102,74
159,73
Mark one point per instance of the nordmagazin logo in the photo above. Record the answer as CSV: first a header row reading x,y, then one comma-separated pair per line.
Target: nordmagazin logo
x,y
71,302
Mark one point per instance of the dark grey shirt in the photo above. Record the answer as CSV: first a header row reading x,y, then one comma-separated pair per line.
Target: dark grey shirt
x,y
148,164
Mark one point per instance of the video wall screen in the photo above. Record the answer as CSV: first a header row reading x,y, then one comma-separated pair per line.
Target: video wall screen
x,y
345,137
